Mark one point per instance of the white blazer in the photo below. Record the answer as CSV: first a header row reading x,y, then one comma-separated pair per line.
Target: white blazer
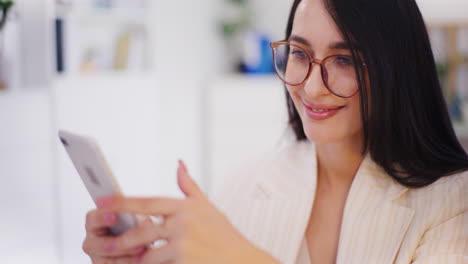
x,y
270,202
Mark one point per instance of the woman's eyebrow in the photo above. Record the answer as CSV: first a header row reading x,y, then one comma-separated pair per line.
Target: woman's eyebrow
x,y
299,39
340,45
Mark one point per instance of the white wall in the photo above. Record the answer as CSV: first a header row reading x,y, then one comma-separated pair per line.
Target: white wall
x,y
186,38
444,11
28,224
37,42
271,16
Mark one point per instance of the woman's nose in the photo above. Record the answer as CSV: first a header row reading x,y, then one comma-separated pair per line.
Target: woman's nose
x,y
315,86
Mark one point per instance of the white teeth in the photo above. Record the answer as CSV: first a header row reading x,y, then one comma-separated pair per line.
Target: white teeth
x,y
319,110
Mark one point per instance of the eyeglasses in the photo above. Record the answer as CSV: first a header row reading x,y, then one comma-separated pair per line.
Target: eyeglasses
x,y
293,64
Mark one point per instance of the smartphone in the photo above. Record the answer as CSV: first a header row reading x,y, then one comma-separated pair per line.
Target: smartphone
x,y
95,173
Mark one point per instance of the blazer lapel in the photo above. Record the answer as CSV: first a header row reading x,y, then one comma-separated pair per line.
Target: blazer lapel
x,y
281,204
373,224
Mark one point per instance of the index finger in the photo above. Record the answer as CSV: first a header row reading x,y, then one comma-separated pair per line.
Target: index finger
x,y
98,220
148,206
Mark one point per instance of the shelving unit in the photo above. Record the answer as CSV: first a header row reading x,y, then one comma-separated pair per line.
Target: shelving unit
x,y
454,57
108,38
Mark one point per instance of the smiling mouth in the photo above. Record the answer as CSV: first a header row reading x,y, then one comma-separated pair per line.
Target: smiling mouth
x,y
320,112
324,110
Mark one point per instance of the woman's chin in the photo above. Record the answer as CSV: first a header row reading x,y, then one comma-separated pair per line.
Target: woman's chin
x,y
332,134
322,135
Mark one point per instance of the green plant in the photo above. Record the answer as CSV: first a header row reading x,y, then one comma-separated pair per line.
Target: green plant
x,y
5,6
442,71
232,27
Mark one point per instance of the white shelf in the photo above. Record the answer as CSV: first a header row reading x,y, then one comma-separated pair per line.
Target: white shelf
x,y
243,81
108,17
113,76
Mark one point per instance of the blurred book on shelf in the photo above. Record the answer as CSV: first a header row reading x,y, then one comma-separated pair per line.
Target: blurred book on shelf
x,y
102,36
450,45
9,48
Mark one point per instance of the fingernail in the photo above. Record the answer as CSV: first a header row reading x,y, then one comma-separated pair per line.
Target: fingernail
x,y
104,201
109,247
182,165
110,218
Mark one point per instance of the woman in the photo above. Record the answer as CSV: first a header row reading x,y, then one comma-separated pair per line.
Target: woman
x,y
376,174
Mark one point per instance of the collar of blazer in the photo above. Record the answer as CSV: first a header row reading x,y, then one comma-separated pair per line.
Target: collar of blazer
x,y
374,222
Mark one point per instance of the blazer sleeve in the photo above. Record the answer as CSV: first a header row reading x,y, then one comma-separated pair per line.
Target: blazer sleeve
x,y
446,241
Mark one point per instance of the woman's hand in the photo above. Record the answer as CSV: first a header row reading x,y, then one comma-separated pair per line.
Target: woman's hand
x,y
104,248
195,231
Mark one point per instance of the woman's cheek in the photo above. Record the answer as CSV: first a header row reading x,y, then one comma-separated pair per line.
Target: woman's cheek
x,y
296,99
354,116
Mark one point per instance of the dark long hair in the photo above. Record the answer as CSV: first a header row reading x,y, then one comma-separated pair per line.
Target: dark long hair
x,y
406,125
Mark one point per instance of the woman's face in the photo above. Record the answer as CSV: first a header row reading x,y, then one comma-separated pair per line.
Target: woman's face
x,y
315,104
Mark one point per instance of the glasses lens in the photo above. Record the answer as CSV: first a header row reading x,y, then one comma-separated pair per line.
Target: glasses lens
x,y
342,78
291,64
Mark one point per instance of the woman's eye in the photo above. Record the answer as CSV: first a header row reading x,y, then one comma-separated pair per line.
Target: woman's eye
x,y
344,61
298,54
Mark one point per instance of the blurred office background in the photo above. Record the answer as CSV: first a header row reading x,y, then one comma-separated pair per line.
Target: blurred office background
x,y
152,81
